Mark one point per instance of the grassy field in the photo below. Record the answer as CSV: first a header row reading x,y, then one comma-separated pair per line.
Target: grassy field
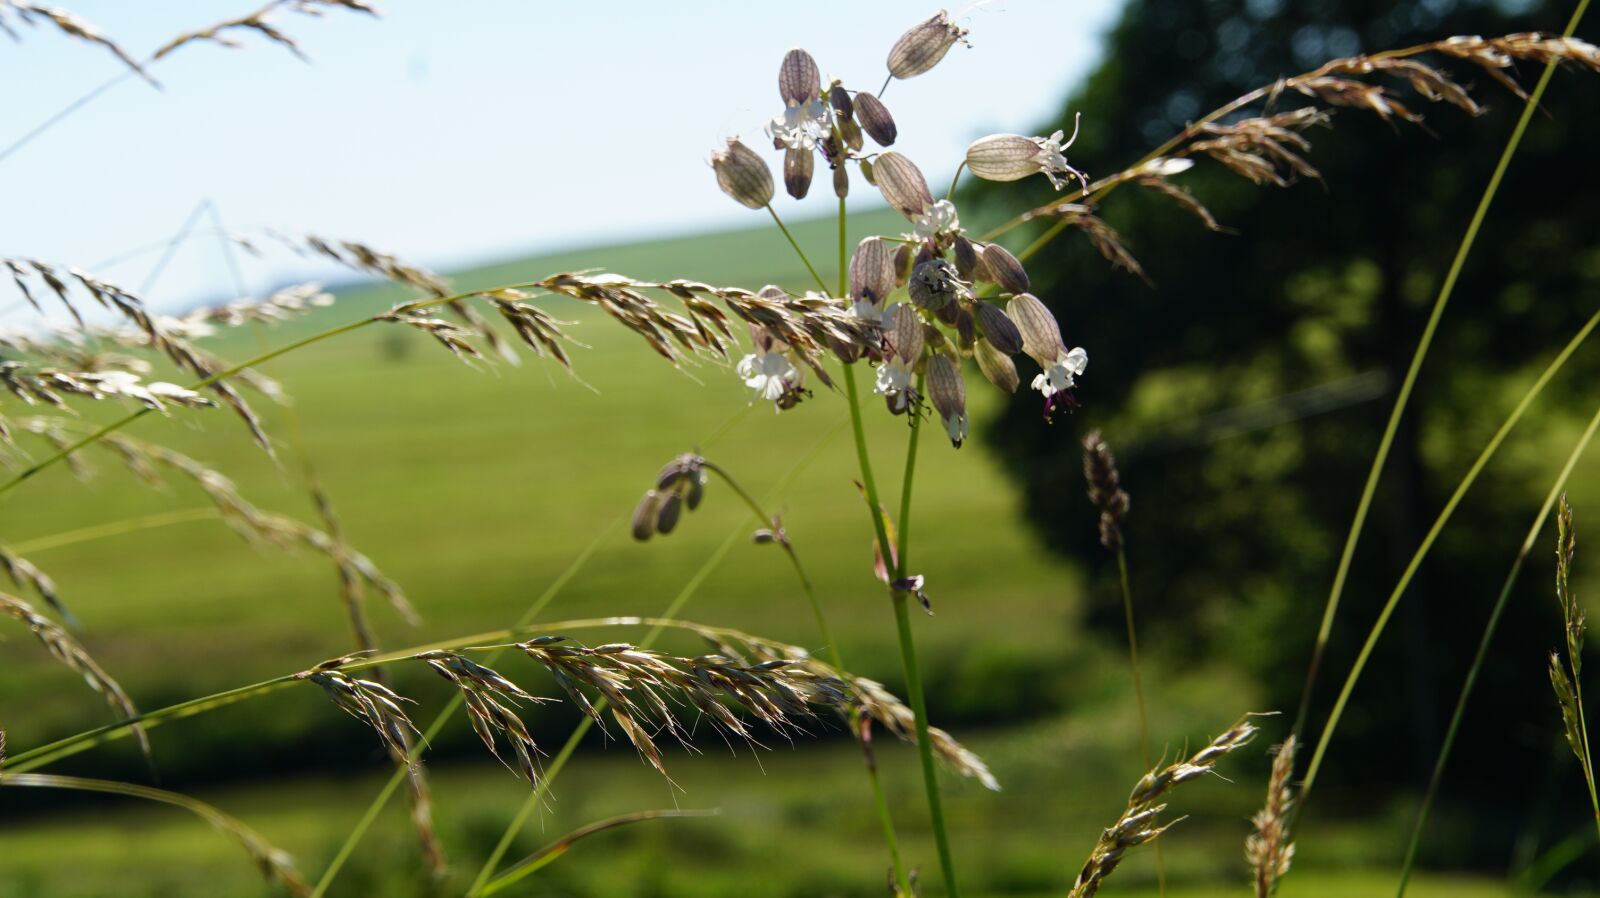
x,y
475,488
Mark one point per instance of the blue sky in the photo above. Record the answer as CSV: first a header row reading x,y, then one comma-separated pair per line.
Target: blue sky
x,y
473,130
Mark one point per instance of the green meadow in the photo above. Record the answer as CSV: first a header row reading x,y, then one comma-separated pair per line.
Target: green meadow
x,y
476,486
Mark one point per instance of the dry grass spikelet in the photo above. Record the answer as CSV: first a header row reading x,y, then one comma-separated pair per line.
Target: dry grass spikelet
x,y
258,22
487,693
1139,822
25,573
368,701
1263,149
282,305
68,651
157,337
871,697
69,24
1269,848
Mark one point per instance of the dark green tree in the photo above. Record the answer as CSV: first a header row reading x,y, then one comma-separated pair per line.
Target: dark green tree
x,y
1244,387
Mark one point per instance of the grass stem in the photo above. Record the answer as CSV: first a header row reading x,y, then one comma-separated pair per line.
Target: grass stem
x,y
1422,550
1363,505
1489,629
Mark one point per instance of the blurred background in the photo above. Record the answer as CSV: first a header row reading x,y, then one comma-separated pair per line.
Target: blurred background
x,y
1243,383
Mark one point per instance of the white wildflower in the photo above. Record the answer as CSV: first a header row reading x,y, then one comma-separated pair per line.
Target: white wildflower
x,y
801,126
769,374
940,218
1059,376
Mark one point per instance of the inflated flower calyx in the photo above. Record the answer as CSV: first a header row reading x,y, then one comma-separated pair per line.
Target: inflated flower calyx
x,y
996,366
743,175
998,328
903,263
798,78
934,284
875,119
871,271
949,396
798,165
841,182
1041,336
921,48
1012,157
902,184
905,334
1004,269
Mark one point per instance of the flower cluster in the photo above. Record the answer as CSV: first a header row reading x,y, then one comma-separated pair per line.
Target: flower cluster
x,y
930,298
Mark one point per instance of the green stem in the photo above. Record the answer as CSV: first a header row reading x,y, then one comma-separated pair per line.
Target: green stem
x,y
1583,727
798,251
486,872
956,179
1138,695
1422,551
115,528
885,818
1325,631
908,648
265,855
71,745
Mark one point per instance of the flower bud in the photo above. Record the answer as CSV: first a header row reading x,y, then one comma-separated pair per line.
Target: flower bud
x,y
934,284
839,98
902,184
949,396
798,78
851,132
996,366
966,253
667,515
866,171
1005,269
841,182
905,333
1000,330
644,517
902,264
797,167
921,48
871,271
743,175
875,119
966,327
1041,336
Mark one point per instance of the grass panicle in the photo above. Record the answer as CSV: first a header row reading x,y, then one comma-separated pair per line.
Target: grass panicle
x,y
69,24
1270,848
1140,821
259,22
64,648
1566,675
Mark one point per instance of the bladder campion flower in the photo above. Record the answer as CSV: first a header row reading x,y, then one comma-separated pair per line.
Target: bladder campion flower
x,y
1012,157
